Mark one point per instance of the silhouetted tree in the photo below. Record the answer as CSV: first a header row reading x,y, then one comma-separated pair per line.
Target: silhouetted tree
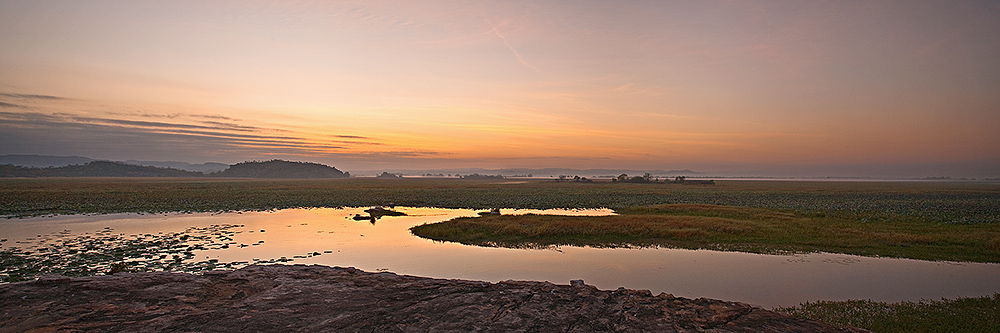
x,y
638,179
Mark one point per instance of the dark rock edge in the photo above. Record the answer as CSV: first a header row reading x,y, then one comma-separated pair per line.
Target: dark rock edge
x,y
280,298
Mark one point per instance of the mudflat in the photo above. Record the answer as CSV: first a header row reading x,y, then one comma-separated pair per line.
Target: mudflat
x,y
319,298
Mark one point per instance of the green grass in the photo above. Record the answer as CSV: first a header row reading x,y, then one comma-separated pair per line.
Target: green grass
x,y
728,228
980,314
923,220
945,202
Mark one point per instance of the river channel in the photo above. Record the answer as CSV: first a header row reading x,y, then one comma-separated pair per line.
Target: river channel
x,y
331,237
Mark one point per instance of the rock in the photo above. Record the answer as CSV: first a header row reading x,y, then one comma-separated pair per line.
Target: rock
x,y
279,298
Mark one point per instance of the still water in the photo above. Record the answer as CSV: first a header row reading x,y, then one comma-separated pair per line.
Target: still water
x,y
331,237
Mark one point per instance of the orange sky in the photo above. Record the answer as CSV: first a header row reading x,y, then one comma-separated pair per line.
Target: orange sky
x,y
703,85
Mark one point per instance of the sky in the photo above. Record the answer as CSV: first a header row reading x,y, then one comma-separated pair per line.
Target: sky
x,y
818,88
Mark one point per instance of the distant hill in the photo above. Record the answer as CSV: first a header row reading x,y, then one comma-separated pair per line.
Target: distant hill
x,y
42,161
95,169
204,167
281,169
268,169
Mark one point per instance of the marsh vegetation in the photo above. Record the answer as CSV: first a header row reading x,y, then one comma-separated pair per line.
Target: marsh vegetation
x,y
862,202
966,314
728,228
923,220
107,252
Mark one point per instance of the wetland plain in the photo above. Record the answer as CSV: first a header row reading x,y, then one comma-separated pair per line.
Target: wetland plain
x,y
768,243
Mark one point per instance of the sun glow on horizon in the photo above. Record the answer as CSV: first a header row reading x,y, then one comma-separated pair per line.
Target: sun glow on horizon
x,y
708,84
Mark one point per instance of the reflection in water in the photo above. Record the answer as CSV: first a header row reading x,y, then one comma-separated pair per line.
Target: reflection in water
x,y
494,211
332,237
376,213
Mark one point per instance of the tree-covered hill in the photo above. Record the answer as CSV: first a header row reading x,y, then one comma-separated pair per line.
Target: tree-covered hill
x,y
281,169
95,169
268,169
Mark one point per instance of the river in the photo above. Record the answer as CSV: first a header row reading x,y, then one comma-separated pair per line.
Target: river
x,y
329,236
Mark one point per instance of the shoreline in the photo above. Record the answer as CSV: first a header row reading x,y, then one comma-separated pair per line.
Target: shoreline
x,y
323,298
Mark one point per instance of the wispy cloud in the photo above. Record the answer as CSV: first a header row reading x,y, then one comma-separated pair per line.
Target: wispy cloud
x,y
154,124
31,96
511,48
28,98
146,114
393,154
9,105
237,127
350,137
364,143
214,116
216,135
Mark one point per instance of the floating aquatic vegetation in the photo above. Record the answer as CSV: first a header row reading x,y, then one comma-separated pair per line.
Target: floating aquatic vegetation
x,y
108,252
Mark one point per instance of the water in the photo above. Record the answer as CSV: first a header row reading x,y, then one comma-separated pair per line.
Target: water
x,y
387,245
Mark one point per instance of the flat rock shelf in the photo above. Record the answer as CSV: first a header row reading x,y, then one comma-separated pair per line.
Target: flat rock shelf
x,y
280,298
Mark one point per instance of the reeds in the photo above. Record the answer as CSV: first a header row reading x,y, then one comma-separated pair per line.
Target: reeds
x,y
976,314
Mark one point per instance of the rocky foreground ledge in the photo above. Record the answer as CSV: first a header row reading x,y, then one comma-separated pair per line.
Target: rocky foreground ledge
x,y
282,298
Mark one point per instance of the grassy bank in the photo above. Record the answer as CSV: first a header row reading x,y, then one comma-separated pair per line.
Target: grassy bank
x,y
978,314
758,230
924,220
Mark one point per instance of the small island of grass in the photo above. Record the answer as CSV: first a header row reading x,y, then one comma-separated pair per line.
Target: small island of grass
x,y
727,228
